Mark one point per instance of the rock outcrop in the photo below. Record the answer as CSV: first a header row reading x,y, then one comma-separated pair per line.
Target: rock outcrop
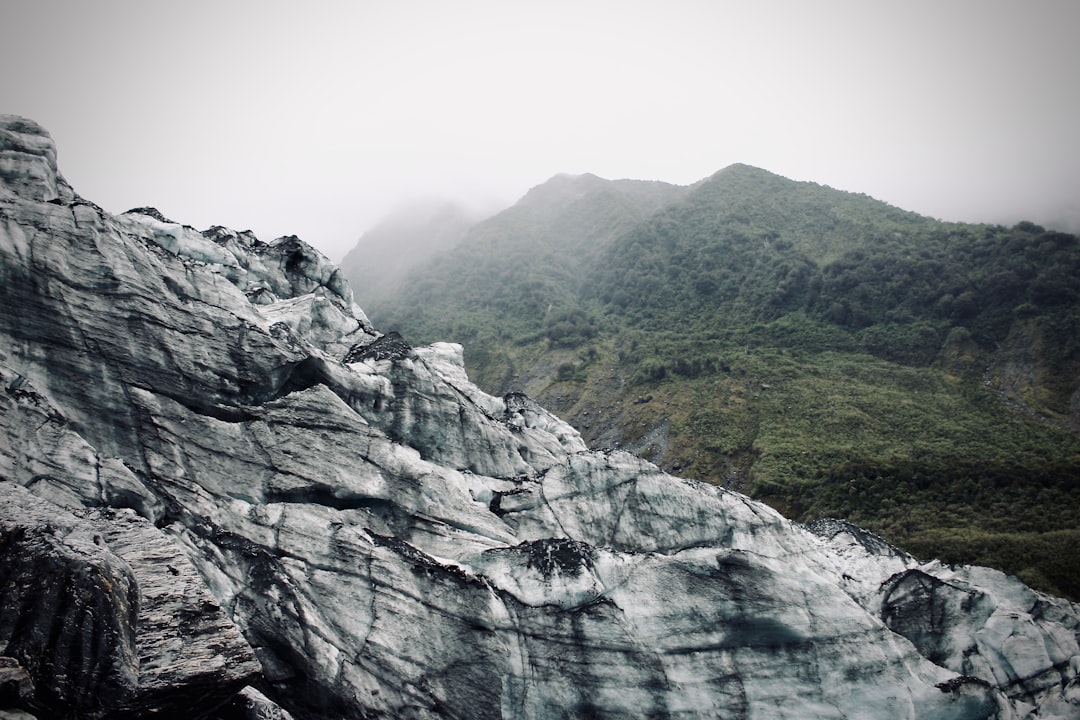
x,y
108,617
393,542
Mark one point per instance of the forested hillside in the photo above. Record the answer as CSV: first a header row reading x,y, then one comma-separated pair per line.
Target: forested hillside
x,y
821,350
518,272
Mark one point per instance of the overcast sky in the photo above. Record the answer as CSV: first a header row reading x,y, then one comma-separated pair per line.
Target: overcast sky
x,y
316,118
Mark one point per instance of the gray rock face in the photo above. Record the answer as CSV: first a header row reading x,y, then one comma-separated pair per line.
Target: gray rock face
x,y
250,704
394,542
70,606
107,616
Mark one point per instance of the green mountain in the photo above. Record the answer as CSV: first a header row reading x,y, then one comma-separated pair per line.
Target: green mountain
x,y
817,349
518,271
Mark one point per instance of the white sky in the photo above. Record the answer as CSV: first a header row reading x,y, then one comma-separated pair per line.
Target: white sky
x,y
315,118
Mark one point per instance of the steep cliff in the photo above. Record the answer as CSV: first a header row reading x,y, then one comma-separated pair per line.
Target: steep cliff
x,y
393,542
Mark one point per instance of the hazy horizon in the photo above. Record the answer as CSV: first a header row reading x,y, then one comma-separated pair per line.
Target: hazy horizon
x,y
319,120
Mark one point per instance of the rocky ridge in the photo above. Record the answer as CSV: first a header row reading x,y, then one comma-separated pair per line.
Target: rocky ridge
x,y
391,541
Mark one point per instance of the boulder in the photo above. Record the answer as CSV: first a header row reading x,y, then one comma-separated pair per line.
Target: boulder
x,y
108,617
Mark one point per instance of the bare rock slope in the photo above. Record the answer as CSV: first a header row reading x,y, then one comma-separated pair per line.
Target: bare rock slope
x,y
393,542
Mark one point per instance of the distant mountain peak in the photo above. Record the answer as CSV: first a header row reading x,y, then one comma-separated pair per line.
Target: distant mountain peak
x,y
560,189
742,171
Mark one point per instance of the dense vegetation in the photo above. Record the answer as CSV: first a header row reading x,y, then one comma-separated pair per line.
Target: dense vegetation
x,y
820,350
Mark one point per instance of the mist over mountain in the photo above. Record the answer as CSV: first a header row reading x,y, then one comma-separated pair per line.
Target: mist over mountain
x,y
822,350
533,251
411,234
